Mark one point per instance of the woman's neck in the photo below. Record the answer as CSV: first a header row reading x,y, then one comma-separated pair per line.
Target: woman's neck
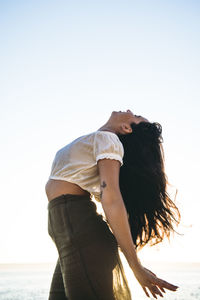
x,y
107,127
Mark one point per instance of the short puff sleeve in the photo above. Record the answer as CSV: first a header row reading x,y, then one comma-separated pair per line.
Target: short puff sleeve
x,y
107,145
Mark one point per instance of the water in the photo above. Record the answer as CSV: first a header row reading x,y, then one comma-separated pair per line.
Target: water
x,y
25,282
31,282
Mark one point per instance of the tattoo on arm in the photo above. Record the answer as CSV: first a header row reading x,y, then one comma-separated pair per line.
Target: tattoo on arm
x,y
103,186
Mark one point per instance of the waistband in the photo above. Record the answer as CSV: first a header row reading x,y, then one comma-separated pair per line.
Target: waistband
x,y
66,198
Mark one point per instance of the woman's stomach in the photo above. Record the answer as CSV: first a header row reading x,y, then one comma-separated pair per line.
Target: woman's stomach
x,y
55,188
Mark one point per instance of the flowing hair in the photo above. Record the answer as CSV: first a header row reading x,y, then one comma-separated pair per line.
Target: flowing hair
x,y
143,183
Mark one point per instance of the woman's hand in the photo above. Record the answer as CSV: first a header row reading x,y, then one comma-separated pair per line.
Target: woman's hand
x,y
149,280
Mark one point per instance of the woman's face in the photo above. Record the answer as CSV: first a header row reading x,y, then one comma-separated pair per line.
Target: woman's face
x,y
127,116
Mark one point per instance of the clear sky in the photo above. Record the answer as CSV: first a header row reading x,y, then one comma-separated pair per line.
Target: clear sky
x,y
65,66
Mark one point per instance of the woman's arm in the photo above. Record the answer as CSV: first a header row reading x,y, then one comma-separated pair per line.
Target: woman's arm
x,y
114,208
116,214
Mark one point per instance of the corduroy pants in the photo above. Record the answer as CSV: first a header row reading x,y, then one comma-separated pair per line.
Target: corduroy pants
x,y
89,266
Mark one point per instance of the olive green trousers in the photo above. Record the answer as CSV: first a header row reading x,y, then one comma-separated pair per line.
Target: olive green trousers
x,y
89,266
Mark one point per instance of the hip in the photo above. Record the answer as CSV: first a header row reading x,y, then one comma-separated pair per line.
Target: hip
x,y
73,221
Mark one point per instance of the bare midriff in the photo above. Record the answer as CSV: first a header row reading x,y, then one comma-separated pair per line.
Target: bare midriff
x,y
55,188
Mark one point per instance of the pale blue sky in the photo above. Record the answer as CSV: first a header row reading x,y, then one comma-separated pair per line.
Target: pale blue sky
x,y
65,65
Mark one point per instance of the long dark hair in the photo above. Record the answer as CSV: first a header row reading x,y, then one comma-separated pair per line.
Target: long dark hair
x,y
143,184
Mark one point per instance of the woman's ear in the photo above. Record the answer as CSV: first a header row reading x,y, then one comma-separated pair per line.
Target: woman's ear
x,y
125,128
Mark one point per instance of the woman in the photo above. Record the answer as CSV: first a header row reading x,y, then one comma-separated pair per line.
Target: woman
x,y
121,165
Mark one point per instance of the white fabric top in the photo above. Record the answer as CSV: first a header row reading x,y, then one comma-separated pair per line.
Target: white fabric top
x,y
77,161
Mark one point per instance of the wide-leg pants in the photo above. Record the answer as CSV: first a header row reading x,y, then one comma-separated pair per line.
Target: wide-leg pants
x,y
89,266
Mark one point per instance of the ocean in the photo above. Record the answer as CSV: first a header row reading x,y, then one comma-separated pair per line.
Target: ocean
x,y
32,281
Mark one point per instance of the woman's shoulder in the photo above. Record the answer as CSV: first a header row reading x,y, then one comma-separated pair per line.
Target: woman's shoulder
x,y
106,137
108,145
100,141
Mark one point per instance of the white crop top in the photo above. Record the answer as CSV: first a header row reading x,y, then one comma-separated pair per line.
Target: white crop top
x,y
77,161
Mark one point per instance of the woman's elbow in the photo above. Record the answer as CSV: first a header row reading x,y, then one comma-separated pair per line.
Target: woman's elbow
x,y
111,197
